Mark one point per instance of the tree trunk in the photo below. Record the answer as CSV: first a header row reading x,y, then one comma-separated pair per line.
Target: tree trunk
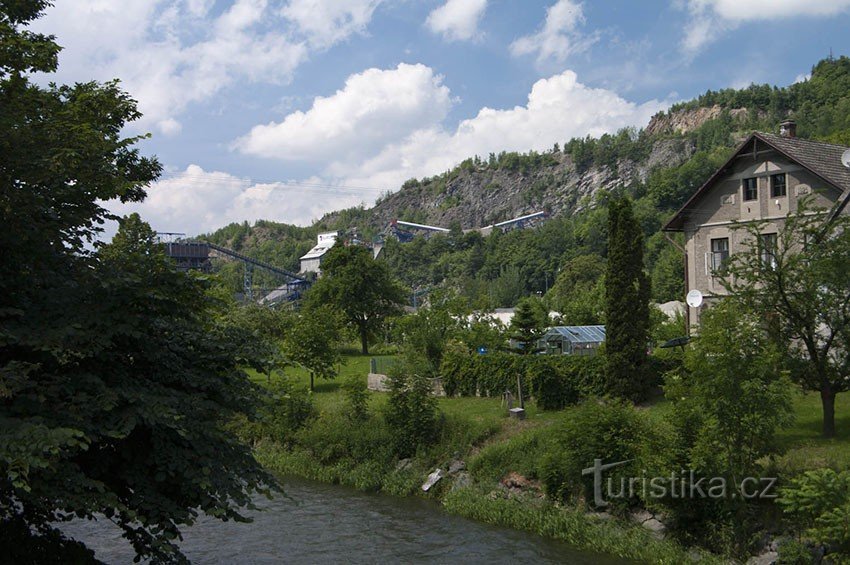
x,y
827,398
364,341
311,381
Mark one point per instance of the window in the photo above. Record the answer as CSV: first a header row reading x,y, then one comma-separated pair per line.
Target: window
x,y
719,253
767,247
751,189
778,185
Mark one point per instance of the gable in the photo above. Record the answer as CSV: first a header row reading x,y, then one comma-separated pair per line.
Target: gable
x,y
812,167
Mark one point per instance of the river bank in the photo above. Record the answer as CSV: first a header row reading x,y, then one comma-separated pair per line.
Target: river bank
x,y
475,451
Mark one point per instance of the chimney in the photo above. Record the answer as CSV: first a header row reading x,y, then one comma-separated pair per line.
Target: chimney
x,y
788,128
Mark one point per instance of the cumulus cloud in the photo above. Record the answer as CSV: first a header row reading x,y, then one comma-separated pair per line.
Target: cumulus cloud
x,y
559,36
172,53
195,201
457,20
372,150
710,19
374,108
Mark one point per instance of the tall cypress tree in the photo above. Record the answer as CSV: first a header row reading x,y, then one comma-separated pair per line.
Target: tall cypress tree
x,y
627,292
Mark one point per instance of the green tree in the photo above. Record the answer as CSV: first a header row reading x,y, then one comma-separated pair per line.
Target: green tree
x,y
801,281
528,324
627,292
728,403
361,288
313,342
115,373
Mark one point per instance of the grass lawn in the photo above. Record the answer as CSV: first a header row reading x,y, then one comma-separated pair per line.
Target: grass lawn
x,y
806,449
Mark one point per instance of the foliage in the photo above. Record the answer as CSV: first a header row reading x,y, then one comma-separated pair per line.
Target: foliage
x,y
611,432
427,331
805,287
357,398
313,341
554,380
819,501
284,410
553,389
728,405
626,305
528,324
411,411
116,373
359,287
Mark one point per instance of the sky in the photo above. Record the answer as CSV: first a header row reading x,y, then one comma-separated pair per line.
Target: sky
x,y
285,110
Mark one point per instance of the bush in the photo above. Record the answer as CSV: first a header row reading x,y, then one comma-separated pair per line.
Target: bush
x,y
611,432
554,386
411,411
356,397
284,410
819,501
555,381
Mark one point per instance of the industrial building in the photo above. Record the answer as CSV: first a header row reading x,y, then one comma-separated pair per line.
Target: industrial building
x,y
312,261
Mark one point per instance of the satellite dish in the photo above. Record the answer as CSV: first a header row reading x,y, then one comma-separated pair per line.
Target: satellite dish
x,y
845,158
694,299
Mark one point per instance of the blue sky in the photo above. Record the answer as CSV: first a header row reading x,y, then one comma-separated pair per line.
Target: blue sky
x,y
284,110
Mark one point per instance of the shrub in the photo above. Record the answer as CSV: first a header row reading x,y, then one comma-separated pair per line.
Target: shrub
x,y
611,432
284,410
819,501
411,411
356,397
553,384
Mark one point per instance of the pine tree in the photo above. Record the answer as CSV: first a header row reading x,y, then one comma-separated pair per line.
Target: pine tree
x,y
528,324
627,292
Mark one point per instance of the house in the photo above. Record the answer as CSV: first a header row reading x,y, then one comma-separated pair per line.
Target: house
x,y
573,340
763,181
311,262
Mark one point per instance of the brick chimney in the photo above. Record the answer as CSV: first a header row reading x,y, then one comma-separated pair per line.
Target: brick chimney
x,y
788,128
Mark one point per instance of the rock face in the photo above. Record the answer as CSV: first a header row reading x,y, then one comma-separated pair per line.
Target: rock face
x,y
479,196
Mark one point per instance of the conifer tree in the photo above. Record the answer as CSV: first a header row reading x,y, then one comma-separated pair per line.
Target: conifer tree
x,y
627,292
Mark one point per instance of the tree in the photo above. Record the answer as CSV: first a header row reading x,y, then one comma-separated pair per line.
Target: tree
x,y
115,375
800,281
360,287
528,324
313,342
728,403
627,292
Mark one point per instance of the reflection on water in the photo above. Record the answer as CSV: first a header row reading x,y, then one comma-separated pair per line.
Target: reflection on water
x,y
322,523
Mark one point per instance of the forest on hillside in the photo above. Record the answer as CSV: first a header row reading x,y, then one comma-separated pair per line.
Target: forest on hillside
x,y
564,258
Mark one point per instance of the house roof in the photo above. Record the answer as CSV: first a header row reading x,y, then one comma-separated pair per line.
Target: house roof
x,y
318,251
578,334
821,159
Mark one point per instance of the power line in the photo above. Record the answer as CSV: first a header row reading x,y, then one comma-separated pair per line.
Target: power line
x,y
198,179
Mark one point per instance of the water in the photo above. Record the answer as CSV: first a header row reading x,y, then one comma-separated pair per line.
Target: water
x,y
322,523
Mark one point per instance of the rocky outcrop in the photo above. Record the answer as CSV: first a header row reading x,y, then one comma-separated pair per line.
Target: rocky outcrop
x,y
480,196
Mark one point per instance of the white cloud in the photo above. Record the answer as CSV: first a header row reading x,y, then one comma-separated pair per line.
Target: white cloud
x,y
172,53
195,201
169,127
378,147
710,19
374,108
457,20
326,22
559,36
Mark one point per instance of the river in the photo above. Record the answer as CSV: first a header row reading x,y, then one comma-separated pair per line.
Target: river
x,y
320,523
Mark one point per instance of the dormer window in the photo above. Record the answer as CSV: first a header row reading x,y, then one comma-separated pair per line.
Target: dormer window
x,y
778,185
751,189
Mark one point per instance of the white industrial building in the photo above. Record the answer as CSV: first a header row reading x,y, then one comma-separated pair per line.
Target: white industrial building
x,y
311,262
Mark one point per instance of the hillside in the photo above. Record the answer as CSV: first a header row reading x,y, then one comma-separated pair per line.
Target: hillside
x,y
659,166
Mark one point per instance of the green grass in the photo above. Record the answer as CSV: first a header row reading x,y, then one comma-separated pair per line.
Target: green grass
x,y
804,446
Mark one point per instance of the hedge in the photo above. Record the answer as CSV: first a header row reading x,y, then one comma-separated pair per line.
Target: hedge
x,y
555,381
